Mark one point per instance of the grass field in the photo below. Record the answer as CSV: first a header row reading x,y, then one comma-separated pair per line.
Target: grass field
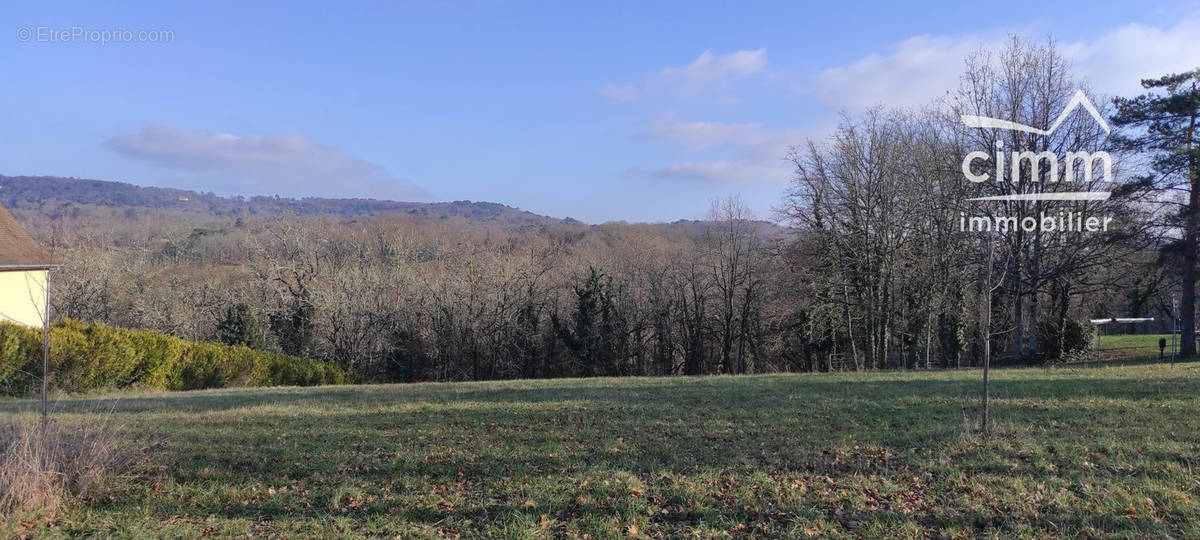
x,y
1147,342
1077,452
1129,347
1138,341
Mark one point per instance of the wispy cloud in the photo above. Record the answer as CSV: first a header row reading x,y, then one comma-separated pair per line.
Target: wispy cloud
x,y
751,136
707,74
724,172
709,68
263,164
751,152
626,92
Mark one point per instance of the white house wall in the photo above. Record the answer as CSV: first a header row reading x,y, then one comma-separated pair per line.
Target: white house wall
x,y
23,296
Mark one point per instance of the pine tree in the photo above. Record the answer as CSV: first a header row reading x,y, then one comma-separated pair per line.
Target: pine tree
x,y
1163,125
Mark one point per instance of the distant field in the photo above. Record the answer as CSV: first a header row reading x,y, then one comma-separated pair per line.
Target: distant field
x,y
1080,452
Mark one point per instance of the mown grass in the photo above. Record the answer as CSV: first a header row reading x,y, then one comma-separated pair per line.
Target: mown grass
x,y
1148,342
1076,452
1145,343
1134,346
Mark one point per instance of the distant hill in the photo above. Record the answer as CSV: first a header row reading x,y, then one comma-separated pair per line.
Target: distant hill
x,y
34,192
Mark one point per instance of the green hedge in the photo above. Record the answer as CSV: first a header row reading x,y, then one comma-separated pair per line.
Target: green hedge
x,y
86,357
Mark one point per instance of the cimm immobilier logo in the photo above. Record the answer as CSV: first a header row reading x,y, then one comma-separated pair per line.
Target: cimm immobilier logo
x,y
1077,166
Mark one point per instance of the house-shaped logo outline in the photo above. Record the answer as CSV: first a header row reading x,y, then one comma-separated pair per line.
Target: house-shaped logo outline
x,y
1078,99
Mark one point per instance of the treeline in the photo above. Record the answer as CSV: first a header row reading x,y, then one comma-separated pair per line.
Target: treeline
x,y
873,271
407,298
54,195
86,357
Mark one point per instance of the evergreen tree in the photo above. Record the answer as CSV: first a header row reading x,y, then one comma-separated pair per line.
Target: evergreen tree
x,y
591,335
1163,125
241,327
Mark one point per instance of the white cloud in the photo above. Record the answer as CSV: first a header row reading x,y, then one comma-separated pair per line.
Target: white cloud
x,y
708,73
1116,61
921,68
911,73
263,164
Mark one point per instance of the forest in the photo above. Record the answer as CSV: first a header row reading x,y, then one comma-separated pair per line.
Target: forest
x,y
862,265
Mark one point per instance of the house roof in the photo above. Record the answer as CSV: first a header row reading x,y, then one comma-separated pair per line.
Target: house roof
x,y
18,249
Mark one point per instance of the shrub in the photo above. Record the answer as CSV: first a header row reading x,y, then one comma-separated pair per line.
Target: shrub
x,y
94,356
18,344
1070,340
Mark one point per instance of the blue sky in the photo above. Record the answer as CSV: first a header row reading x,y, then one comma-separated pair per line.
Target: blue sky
x,y
639,111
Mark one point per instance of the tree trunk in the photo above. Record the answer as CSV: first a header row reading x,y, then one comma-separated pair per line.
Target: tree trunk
x,y
1187,335
985,420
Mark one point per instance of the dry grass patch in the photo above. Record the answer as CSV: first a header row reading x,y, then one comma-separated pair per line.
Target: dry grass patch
x,y
43,471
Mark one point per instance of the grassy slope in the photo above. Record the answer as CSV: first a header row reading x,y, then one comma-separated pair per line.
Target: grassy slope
x,y
1097,451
